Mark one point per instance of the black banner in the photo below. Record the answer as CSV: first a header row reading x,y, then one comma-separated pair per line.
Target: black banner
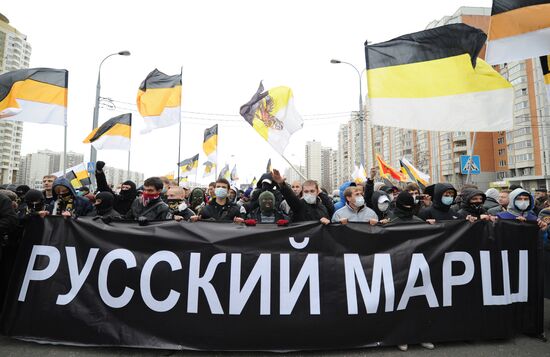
x,y
217,286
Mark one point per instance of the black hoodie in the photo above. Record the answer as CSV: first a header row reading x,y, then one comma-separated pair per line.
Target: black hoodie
x,y
438,210
124,200
467,209
374,201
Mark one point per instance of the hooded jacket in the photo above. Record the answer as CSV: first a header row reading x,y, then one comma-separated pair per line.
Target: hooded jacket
x,y
374,202
105,208
403,213
81,205
512,212
273,188
123,200
8,218
438,210
492,199
197,200
467,209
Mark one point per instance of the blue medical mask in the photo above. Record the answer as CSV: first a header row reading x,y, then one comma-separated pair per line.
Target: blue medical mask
x,y
447,200
220,192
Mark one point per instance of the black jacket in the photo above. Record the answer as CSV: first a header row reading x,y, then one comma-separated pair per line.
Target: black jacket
x,y
369,190
122,203
215,212
181,210
466,209
374,204
303,211
438,210
399,216
81,206
109,213
155,210
490,203
257,215
8,218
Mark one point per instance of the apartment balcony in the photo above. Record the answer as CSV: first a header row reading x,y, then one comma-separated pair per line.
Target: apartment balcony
x,y
461,148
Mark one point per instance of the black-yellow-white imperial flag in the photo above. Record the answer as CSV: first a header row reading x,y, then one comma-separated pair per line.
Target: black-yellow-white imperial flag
x,y
434,80
36,95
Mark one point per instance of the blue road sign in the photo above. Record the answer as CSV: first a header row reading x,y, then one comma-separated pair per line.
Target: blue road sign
x,y
91,167
473,164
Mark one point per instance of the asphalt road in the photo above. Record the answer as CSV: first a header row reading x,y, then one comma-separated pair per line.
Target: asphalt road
x,y
519,346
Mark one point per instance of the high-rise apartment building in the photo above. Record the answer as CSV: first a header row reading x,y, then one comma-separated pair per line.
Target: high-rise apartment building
x,y
44,162
15,53
313,160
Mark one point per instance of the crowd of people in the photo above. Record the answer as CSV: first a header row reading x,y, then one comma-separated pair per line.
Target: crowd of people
x,y
273,200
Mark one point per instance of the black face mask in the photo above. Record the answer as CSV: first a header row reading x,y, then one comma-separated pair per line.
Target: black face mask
x,y
35,206
173,203
267,187
65,196
102,206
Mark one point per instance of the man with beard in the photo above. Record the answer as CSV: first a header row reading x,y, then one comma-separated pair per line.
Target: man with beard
x,y
149,206
175,198
103,205
128,193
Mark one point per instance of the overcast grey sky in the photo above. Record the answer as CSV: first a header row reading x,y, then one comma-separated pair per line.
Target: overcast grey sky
x,y
225,48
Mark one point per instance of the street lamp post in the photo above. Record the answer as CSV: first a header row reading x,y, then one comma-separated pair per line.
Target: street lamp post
x,y
361,111
93,152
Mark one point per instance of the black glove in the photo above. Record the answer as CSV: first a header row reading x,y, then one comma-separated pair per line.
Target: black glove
x,y
99,165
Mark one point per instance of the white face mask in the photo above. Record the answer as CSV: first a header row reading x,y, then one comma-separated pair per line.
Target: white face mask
x,y
522,205
310,198
359,201
383,207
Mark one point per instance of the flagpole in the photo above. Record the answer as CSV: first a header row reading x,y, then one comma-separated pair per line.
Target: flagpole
x,y
65,146
129,149
470,158
179,133
65,127
128,174
295,169
216,163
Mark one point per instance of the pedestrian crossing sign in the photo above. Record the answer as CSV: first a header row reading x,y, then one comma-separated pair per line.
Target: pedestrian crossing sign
x,y
470,163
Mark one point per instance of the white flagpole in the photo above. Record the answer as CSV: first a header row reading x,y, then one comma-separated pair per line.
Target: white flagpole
x,y
179,133
294,168
470,159
129,149
65,129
